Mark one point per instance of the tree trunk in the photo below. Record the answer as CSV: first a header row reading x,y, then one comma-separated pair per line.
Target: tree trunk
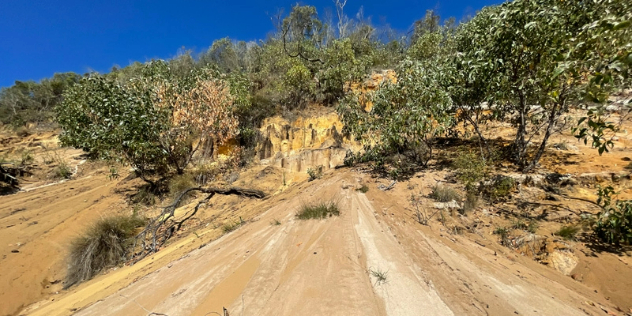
x,y
549,128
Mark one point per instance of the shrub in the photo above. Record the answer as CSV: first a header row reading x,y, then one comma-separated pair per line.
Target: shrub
x,y
23,131
533,226
151,121
470,169
27,158
145,196
103,245
567,232
444,194
614,222
179,183
315,173
318,211
499,188
471,201
503,232
364,188
62,170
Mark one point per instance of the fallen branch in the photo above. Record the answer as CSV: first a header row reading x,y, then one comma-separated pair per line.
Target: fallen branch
x,y
162,227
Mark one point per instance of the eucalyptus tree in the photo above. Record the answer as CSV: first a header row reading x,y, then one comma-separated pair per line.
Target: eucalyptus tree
x,y
155,122
523,61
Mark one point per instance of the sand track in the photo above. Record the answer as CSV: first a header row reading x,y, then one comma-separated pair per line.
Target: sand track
x,y
322,267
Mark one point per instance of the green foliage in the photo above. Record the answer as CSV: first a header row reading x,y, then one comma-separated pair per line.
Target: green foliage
x,y
102,246
364,188
471,201
406,116
503,232
318,211
498,188
568,232
229,227
523,53
181,182
614,222
379,275
152,120
62,170
316,173
33,102
470,169
442,193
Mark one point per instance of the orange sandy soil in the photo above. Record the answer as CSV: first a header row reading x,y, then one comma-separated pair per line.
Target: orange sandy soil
x,y
313,267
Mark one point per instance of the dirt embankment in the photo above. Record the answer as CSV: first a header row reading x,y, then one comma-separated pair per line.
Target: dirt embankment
x,y
374,259
330,267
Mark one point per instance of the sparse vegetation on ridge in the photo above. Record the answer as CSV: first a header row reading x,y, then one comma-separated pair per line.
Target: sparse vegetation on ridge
x,y
318,210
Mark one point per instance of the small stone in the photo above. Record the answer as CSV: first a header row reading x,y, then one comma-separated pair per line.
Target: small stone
x,y
314,252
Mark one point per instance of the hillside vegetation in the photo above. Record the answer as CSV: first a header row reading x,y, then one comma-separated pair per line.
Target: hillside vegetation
x,y
536,68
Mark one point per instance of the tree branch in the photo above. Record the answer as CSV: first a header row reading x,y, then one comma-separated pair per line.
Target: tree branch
x,y
158,231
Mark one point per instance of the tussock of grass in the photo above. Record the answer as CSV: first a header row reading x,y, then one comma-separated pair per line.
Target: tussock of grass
x,y
364,188
102,246
229,227
444,194
568,232
318,211
62,171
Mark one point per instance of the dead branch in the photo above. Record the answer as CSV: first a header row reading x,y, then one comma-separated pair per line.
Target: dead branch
x,y
162,227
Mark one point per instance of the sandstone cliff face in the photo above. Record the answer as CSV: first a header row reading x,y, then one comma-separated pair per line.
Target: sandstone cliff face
x,y
305,143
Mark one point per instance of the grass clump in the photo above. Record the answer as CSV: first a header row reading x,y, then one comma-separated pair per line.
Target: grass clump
x,y
379,275
503,232
318,211
568,232
444,194
364,188
62,171
229,227
180,183
316,173
101,246
275,222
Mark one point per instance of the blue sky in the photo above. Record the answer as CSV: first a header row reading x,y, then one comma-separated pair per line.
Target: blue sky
x,y
39,38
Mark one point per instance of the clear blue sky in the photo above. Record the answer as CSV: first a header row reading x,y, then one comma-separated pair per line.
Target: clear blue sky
x,y
39,38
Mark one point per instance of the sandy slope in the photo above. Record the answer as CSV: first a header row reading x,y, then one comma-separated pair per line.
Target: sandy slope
x,y
322,267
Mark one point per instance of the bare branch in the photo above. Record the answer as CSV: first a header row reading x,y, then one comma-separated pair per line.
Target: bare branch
x,y
162,227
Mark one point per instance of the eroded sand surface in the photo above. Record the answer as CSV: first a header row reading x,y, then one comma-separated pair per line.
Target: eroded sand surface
x,y
323,267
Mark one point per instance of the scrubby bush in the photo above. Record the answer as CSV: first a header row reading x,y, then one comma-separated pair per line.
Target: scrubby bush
x,y
568,232
315,173
62,170
498,188
442,193
614,222
102,246
156,122
318,210
364,188
470,169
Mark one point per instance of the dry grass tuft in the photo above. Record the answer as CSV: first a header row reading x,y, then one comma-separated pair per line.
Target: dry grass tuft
x,y
102,246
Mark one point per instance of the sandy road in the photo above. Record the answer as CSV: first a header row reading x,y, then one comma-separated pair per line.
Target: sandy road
x,y
323,267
